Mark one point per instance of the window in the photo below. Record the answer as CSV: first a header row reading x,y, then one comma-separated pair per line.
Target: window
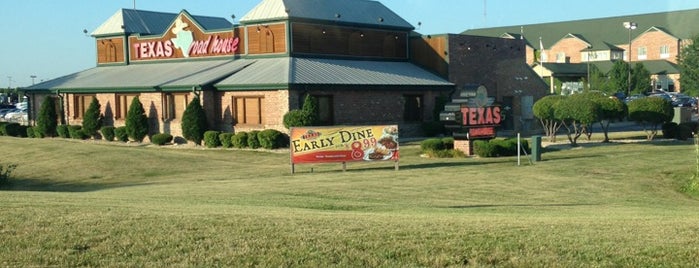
x,y
175,104
642,53
80,104
413,108
325,110
248,110
561,57
665,51
122,105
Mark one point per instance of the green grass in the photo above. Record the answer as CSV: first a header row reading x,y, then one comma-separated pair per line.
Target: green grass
x,y
75,203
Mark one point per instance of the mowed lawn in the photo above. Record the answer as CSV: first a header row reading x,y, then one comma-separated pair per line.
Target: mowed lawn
x,y
74,203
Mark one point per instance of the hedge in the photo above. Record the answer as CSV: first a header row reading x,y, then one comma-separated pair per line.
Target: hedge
x,y
498,147
253,141
107,133
211,139
120,134
240,140
77,132
161,139
271,139
226,139
62,131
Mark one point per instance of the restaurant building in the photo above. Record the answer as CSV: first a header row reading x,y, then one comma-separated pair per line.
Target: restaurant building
x,y
357,59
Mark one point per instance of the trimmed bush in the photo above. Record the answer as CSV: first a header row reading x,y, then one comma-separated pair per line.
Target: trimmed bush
x,y
62,131
13,130
498,147
211,139
433,144
120,134
684,132
670,130
448,143
240,140
271,139
92,119
253,141
306,116
107,133
226,139
77,132
161,139
136,121
30,133
194,122
47,120
2,128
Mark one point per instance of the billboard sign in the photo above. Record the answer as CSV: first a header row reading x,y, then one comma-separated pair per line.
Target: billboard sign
x,y
344,144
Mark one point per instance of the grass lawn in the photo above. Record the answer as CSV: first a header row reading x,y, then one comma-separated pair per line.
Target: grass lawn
x,y
75,203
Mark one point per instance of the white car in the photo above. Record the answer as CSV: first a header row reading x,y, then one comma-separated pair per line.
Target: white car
x,y
16,115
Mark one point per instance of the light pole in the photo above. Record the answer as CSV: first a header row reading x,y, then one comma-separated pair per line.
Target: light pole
x,y
32,77
630,25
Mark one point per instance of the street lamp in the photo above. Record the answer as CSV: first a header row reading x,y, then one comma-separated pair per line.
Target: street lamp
x,y
630,25
32,77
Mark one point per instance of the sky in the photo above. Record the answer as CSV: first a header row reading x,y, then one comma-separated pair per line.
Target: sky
x,y
45,39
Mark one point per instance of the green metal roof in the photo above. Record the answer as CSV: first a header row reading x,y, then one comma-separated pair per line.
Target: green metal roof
x,y
362,12
132,21
601,32
580,69
145,77
322,71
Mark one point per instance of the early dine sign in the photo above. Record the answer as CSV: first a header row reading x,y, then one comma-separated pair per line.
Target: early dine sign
x,y
344,144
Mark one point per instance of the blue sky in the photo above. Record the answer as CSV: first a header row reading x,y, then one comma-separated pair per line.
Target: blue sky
x,y
45,37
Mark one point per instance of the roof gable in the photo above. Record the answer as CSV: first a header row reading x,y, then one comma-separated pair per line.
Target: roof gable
x,y
132,21
362,12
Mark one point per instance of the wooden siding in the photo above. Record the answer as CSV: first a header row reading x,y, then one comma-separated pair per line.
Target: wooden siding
x,y
430,52
266,39
110,50
348,41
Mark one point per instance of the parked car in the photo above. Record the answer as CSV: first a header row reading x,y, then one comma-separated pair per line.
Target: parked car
x,y
634,97
684,101
16,115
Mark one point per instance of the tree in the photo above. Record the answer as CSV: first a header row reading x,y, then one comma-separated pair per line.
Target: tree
x,y
599,81
544,110
688,62
619,77
650,113
577,113
47,121
610,109
640,79
92,119
136,121
194,123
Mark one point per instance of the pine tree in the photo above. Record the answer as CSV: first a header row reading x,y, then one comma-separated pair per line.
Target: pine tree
x,y
92,119
47,121
688,62
194,122
136,121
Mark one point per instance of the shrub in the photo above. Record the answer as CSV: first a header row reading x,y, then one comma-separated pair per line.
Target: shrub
x,y
62,131
271,139
92,119
77,132
448,143
684,132
13,130
432,145
253,141
446,154
306,116
30,132
161,139
194,122
136,121
240,140
120,134
107,133
498,147
226,139
46,121
2,128
670,130
211,139
295,118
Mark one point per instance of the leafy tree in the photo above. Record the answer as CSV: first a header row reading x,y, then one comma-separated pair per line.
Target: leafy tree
x,y
619,77
47,121
650,113
640,79
577,113
136,121
194,123
544,110
599,81
688,61
611,109
92,120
